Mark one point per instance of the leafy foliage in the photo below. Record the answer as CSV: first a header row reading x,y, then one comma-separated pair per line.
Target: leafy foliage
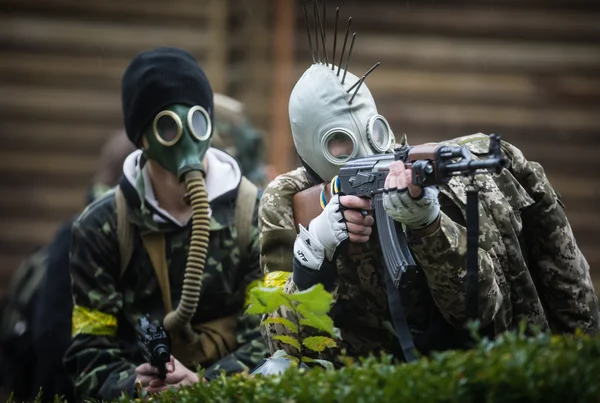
x,y
310,308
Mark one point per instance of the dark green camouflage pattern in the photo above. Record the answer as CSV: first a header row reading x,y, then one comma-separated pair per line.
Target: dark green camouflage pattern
x,y
103,366
529,264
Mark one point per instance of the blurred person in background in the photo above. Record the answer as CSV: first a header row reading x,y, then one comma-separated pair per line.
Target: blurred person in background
x,y
32,358
235,134
176,241
54,307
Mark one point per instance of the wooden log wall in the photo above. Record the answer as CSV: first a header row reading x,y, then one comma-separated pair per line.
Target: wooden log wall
x,y
61,63
528,70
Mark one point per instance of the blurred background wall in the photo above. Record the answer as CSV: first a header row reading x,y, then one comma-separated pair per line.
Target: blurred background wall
x,y
528,70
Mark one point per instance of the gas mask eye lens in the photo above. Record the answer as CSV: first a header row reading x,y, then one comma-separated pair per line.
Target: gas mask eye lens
x,y
199,123
339,146
379,133
167,128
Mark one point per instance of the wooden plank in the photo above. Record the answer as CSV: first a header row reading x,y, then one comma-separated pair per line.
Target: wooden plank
x,y
419,131
30,232
575,187
100,37
36,202
484,116
103,72
47,135
501,20
179,12
56,177
43,163
68,103
493,87
469,53
547,4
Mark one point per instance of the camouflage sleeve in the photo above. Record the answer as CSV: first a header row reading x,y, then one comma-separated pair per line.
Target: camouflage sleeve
x,y
251,348
276,221
555,260
95,359
442,256
251,267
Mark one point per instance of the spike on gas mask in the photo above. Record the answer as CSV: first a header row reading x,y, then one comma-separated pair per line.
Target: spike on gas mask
x,y
332,113
178,138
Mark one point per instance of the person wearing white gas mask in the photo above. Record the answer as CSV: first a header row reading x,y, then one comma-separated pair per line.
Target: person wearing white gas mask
x,y
334,118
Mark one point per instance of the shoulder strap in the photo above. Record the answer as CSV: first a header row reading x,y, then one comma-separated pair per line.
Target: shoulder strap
x,y
244,212
154,242
124,231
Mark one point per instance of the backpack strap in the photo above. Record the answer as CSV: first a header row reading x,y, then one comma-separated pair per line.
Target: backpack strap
x,y
154,242
124,231
244,212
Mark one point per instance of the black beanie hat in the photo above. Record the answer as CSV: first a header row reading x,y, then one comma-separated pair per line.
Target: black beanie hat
x,y
157,78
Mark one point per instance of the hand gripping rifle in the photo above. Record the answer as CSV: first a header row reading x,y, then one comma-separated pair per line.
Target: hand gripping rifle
x,y
431,164
154,344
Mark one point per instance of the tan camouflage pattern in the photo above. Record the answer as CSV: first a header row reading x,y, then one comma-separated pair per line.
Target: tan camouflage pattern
x,y
102,366
529,264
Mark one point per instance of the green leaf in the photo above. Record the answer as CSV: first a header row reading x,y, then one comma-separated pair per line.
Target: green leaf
x,y
321,322
288,340
318,343
324,363
282,321
266,300
315,299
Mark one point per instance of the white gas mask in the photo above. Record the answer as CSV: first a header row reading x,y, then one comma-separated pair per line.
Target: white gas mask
x,y
327,128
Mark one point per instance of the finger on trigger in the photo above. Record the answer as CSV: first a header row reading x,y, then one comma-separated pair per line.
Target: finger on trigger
x,y
354,202
386,184
397,167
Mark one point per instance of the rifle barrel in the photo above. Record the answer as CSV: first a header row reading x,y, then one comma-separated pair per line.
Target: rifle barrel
x,y
472,166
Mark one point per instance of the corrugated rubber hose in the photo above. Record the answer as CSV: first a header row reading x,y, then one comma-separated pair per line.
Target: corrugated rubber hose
x,y
180,318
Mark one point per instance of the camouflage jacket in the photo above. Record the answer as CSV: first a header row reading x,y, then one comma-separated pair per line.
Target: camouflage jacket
x,y
530,267
103,353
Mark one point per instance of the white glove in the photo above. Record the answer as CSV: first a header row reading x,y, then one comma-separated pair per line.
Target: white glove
x,y
414,213
323,236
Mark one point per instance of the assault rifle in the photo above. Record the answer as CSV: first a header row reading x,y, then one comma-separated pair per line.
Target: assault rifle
x,y
431,164
155,345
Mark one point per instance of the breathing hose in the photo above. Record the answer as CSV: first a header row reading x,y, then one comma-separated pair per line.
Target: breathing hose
x,y
180,318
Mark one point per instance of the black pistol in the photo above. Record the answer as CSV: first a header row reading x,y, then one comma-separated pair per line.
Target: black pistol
x,y
154,344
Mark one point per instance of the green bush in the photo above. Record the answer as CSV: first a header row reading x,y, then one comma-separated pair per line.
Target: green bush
x,y
512,368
